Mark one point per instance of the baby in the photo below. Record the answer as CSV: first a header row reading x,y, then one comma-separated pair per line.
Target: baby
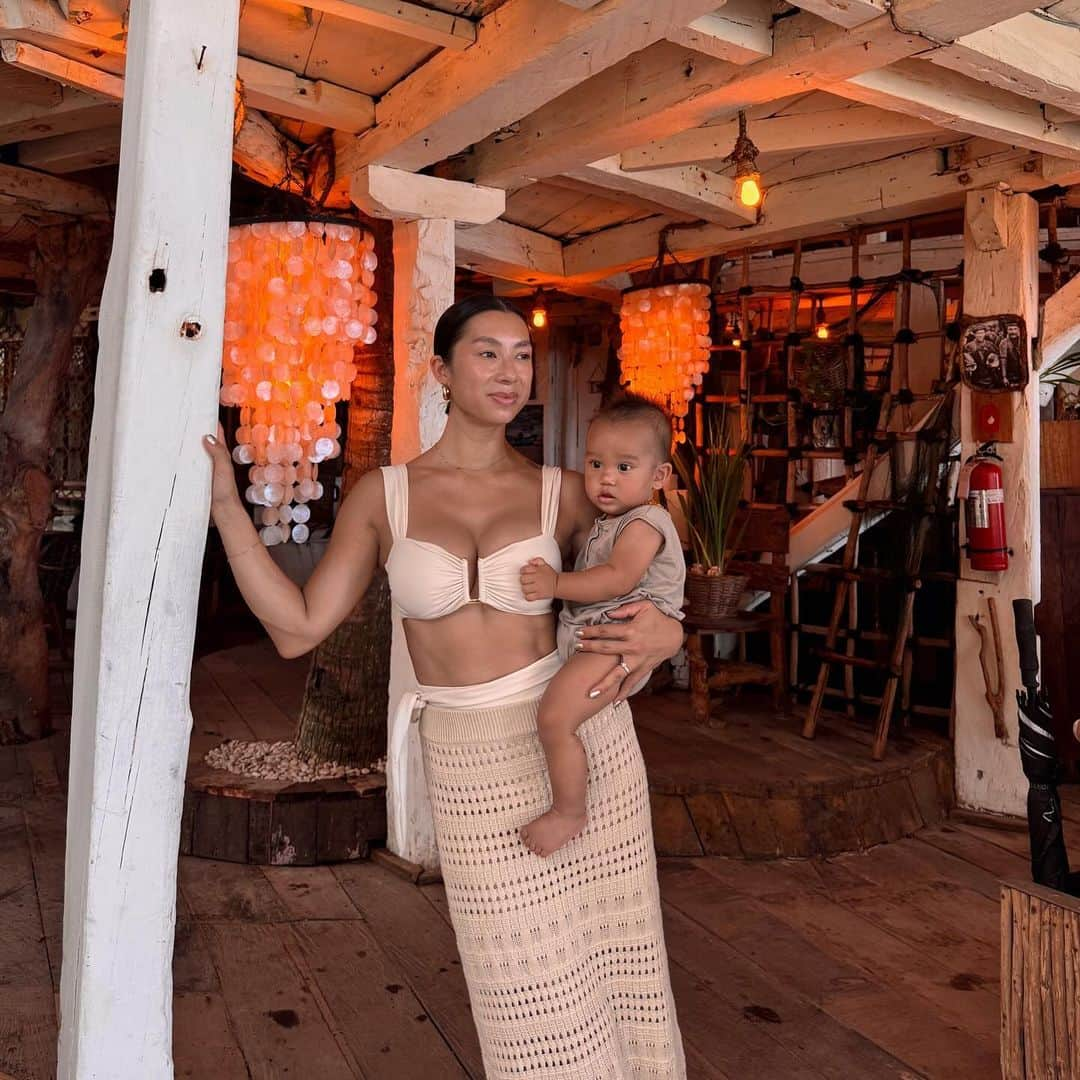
x,y
633,553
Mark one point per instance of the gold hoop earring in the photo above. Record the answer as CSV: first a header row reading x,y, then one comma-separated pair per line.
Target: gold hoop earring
x,y
445,392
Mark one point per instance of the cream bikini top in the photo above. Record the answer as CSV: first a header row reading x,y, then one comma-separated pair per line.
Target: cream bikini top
x,y
428,582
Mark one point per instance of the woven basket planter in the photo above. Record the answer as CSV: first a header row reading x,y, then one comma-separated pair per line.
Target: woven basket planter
x,y
713,596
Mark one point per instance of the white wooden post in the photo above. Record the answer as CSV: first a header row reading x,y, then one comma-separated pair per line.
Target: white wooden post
x,y
424,210
1001,262
423,290
146,516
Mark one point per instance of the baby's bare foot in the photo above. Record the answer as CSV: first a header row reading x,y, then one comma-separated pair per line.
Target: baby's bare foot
x,y
551,831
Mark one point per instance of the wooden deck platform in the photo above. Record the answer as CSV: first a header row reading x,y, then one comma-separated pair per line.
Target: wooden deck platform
x,y
882,964
753,788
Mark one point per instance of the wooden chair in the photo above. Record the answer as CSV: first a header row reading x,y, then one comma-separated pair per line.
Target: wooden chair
x,y
767,531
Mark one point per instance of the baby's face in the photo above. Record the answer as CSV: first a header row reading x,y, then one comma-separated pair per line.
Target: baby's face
x,y
621,466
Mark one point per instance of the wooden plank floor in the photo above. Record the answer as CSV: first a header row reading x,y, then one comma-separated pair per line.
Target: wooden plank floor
x,y
880,964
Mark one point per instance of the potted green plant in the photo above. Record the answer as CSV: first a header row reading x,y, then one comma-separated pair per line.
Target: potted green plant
x,y
713,478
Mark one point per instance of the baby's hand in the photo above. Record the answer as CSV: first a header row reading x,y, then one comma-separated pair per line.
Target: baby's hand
x,y
538,580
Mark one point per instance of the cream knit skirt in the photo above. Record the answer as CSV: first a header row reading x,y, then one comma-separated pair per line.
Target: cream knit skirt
x,y
564,957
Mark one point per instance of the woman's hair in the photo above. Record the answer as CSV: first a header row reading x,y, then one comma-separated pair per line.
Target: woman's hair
x,y
451,325
632,408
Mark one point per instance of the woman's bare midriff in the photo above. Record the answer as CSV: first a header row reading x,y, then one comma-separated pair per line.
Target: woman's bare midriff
x,y
476,644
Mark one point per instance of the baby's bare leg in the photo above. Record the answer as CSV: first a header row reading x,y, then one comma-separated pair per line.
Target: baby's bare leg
x,y
565,706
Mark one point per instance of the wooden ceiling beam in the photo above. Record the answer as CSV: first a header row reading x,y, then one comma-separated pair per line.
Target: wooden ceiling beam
x,y
40,191
456,99
279,90
40,22
402,196
852,125
510,251
61,69
72,153
958,103
666,89
877,193
75,112
400,17
1025,55
689,190
846,12
740,32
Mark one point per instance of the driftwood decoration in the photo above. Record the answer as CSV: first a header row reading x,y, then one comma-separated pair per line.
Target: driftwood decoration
x,y
69,267
995,683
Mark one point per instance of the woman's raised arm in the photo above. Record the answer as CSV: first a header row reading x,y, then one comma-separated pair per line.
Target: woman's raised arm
x,y
298,619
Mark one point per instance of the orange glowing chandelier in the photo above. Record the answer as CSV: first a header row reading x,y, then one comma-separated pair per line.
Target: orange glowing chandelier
x,y
666,342
299,300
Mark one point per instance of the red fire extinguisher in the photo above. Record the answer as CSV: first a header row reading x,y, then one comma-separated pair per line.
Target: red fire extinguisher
x,y
983,493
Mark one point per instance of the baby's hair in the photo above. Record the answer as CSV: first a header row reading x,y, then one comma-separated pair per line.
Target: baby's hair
x,y
630,407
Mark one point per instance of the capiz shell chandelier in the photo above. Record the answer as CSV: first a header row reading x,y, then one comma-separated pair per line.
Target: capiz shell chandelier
x,y
299,300
665,345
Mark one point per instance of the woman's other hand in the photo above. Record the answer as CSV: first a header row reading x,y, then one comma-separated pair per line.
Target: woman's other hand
x,y
223,481
643,638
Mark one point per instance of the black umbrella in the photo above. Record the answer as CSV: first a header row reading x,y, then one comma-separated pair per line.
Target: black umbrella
x,y
1039,757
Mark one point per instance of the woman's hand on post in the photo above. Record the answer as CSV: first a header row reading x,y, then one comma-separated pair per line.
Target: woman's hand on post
x,y
642,639
223,481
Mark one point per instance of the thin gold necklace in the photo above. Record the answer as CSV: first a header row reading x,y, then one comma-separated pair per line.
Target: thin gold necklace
x,y
469,468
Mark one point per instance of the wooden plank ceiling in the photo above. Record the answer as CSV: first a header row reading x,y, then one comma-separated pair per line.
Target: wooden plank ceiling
x,y
606,122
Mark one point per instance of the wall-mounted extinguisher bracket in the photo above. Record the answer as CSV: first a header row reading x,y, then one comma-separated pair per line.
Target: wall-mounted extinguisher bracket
x,y
982,489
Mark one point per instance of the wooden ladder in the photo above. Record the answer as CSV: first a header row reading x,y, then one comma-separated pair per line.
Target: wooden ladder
x,y
849,572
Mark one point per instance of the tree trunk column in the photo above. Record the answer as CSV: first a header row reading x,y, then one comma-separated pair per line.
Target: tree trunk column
x,y
147,509
423,290
1001,263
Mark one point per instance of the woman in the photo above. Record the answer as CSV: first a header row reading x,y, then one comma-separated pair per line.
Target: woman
x,y
564,957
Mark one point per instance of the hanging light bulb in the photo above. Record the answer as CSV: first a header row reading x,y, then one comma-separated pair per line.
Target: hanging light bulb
x,y
747,177
736,333
821,325
539,311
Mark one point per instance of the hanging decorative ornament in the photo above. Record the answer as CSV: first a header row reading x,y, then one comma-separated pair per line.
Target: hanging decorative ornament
x,y
665,345
747,177
299,300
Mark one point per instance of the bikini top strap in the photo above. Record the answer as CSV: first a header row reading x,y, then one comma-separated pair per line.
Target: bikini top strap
x,y
396,493
550,486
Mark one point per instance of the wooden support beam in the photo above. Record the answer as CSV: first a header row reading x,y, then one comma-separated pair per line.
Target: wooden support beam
x,y
956,102
76,111
456,99
402,196
73,153
689,190
400,17
52,65
829,129
510,251
665,89
41,23
1060,332
582,5
148,493
105,17
740,32
846,12
1001,277
44,192
1025,55
878,192
278,90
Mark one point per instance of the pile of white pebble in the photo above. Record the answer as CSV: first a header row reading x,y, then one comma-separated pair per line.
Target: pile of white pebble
x,y
281,761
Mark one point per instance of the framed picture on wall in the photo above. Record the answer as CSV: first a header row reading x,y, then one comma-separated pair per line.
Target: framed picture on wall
x,y
995,353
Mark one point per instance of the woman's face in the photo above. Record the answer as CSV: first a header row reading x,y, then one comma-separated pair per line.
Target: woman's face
x,y
490,369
